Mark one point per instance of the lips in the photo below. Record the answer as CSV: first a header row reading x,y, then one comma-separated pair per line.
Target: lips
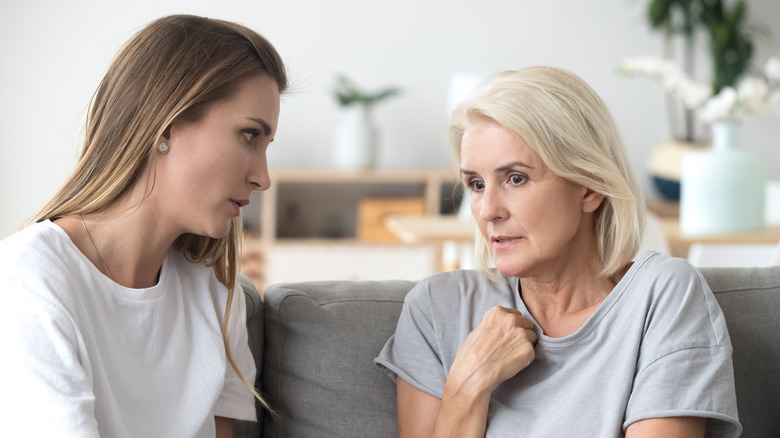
x,y
237,204
503,241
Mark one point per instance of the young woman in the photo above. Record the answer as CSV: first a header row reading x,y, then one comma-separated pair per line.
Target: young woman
x,y
567,336
121,313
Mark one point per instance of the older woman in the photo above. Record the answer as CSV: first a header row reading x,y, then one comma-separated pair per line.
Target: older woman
x,y
570,334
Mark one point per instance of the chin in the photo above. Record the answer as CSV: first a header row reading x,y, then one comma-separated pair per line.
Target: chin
x,y
508,268
217,231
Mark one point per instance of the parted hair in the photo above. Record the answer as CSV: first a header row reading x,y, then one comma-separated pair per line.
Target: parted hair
x,y
173,69
567,125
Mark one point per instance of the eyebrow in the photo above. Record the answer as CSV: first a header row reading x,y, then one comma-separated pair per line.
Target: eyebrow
x,y
503,169
261,122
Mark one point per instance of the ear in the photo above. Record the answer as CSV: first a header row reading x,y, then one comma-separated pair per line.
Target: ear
x,y
167,133
591,201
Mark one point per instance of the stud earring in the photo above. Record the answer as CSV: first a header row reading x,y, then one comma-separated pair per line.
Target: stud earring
x,y
163,148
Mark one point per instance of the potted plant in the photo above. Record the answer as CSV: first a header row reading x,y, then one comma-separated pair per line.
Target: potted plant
x,y
721,189
730,53
355,136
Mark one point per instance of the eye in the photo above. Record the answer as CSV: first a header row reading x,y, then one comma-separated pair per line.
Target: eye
x,y
517,179
250,136
475,185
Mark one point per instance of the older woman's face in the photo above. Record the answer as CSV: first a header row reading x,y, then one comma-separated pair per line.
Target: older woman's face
x,y
533,220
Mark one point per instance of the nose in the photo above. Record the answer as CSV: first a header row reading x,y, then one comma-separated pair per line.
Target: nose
x,y
259,178
490,205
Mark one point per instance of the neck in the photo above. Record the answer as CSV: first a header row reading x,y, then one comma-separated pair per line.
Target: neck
x,y
127,243
563,302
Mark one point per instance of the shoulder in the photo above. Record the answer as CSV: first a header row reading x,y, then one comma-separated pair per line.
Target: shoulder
x,y
677,298
41,256
659,263
659,272
33,241
37,282
459,285
459,295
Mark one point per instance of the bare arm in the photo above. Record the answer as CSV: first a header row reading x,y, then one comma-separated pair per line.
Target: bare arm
x,y
500,347
418,414
224,427
668,427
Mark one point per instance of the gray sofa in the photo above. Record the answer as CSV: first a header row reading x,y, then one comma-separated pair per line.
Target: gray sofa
x,y
314,345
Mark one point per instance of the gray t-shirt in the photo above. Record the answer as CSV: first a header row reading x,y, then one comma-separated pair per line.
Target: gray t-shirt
x,y
657,346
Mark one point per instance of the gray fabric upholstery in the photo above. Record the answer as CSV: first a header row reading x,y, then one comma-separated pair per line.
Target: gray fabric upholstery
x,y
255,327
321,338
750,299
318,372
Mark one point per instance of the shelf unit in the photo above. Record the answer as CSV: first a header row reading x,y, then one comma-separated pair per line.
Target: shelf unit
x,y
429,183
275,251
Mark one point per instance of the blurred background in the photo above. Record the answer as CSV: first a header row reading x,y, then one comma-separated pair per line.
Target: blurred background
x,y
54,53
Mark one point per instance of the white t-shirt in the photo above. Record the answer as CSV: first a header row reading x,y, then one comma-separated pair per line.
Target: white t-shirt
x,y
657,346
86,357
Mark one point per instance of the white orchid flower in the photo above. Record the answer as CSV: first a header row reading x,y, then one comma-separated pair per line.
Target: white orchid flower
x,y
772,69
693,94
752,95
720,107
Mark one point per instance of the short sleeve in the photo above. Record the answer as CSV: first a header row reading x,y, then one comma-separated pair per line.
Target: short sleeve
x,y
685,366
236,400
46,389
413,352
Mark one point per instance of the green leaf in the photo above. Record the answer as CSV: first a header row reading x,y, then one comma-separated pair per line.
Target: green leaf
x,y
348,93
658,13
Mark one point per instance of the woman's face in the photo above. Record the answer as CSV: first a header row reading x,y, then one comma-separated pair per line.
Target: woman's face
x,y
214,164
533,220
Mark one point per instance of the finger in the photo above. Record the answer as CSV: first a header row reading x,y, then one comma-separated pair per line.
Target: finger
x,y
510,310
533,337
524,322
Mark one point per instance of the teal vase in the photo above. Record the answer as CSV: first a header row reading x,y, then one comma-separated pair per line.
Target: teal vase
x,y
722,189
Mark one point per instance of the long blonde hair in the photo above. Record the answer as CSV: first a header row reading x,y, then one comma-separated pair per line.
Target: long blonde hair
x,y
174,69
569,127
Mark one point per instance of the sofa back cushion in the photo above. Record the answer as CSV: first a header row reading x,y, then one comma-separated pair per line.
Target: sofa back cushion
x,y
750,299
321,338
318,371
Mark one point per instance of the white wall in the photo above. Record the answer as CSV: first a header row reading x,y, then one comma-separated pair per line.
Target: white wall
x,y
53,54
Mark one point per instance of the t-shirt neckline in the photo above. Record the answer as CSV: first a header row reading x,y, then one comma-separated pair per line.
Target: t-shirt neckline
x,y
138,294
594,319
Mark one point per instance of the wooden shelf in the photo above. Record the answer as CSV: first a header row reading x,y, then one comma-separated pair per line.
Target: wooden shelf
x,y
429,180
431,229
679,242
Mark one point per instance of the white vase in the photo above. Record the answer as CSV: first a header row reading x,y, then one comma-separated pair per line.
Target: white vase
x,y
355,138
722,189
